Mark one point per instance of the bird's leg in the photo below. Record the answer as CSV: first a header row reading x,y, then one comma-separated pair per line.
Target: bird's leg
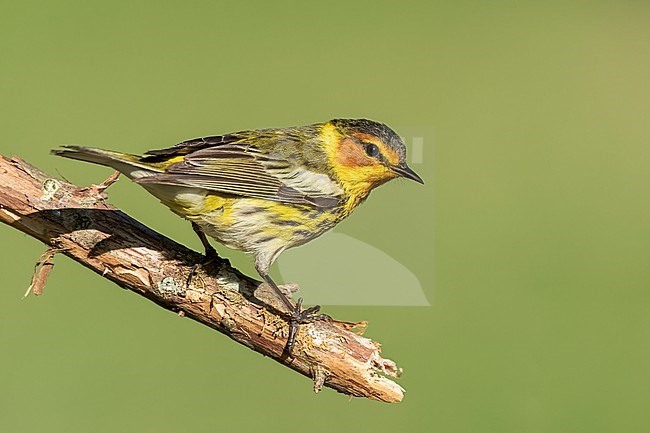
x,y
210,252
297,315
211,255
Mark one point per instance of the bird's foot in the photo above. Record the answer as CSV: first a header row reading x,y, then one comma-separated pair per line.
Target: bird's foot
x,y
298,317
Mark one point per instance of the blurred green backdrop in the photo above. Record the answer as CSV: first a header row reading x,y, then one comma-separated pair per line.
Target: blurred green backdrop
x,y
530,238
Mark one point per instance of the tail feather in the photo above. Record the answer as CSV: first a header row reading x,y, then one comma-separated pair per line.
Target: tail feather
x,y
127,164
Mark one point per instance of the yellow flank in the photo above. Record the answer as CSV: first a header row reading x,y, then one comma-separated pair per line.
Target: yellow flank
x,y
261,227
214,202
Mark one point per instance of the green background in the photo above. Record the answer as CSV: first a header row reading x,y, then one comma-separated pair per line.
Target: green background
x,y
530,238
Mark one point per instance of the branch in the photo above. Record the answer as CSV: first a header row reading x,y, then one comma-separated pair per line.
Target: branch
x,y
78,222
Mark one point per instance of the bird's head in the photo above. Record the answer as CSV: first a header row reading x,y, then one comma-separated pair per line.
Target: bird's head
x,y
364,154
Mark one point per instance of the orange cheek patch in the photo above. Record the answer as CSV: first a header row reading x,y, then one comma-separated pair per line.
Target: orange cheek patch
x,y
351,154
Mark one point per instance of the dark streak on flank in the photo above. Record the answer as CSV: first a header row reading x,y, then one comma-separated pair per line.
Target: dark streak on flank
x,y
266,239
287,223
326,223
309,211
251,211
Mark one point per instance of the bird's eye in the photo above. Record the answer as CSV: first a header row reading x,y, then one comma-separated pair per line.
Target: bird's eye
x,y
372,150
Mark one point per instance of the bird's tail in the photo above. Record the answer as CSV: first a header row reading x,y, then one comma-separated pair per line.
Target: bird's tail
x,y
130,165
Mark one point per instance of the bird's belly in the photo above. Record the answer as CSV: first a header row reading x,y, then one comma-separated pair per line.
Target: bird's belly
x,y
263,227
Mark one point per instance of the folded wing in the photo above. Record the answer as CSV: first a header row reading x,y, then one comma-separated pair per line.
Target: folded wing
x,y
229,165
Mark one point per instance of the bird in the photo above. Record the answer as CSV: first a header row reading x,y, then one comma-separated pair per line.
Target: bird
x,y
266,190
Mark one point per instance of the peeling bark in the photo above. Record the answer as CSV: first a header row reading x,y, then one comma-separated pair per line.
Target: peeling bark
x,y
79,223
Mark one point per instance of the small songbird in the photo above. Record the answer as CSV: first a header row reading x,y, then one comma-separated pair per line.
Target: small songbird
x,y
263,191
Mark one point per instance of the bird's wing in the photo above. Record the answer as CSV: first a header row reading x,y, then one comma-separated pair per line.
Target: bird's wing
x,y
187,147
235,167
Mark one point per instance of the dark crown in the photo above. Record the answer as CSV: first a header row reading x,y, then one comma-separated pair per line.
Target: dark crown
x,y
379,130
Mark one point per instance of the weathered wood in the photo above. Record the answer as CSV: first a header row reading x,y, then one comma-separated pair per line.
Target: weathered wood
x,y
79,223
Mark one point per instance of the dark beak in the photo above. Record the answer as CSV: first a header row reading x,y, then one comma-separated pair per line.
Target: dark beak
x,y
405,171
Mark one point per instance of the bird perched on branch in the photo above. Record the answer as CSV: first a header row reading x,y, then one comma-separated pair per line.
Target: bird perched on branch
x,y
263,191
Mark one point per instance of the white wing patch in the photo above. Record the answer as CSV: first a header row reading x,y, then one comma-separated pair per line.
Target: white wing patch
x,y
308,182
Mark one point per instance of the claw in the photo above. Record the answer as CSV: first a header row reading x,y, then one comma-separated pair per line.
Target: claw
x,y
299,317
311,310
296,315
325,318
210,258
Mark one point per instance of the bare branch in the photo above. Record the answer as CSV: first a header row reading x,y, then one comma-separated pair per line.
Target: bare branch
x,y
78,222
42,270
